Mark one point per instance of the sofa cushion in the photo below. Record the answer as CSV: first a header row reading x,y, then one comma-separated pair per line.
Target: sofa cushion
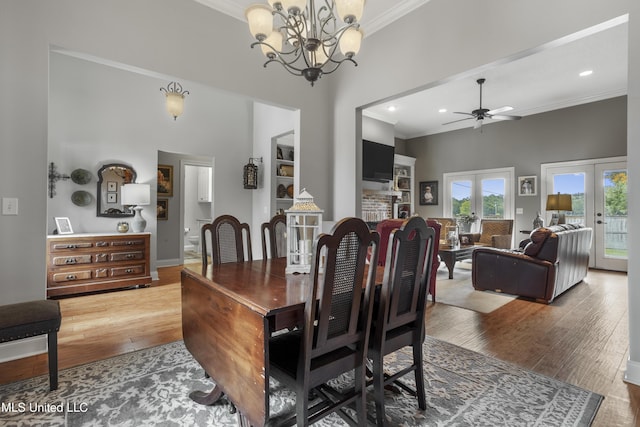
x,y
537,237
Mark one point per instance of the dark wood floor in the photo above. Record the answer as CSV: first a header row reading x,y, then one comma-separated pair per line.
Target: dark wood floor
x,y
582,338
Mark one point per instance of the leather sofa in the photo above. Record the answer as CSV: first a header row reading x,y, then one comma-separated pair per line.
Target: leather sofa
x,y
551,261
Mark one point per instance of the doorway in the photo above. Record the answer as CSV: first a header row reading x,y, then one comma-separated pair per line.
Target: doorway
x,y
196,205
598,189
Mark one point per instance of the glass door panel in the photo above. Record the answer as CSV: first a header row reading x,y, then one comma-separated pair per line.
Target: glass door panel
x,y
493,198
611,216
575,185
461,194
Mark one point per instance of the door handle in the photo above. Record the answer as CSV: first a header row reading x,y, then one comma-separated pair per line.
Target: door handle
x,y
600,222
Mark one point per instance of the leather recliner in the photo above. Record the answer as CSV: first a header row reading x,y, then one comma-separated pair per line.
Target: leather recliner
x,y
553,260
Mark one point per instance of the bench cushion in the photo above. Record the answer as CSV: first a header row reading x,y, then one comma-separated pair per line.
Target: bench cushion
x,y
29,319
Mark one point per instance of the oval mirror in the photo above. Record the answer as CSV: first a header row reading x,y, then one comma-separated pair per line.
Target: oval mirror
x,y
111,177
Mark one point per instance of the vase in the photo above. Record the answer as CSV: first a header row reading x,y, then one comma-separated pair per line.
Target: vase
x,y
538,222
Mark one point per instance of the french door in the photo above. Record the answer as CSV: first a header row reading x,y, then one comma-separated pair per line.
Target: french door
x,y
487,193
598,190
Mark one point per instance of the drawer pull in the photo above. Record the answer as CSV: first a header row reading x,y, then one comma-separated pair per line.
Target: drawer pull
x,y
71,261
102,244
129,270
71,246
71,277
130,256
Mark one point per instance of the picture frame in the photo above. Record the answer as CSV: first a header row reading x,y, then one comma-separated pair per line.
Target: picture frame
x,y
165,180
527,185
112,197
162,209
63,225
428,193
112,186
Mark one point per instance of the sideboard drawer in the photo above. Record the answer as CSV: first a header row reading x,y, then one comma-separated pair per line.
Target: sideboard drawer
x,y
127,256
128,242
71,276
70,246
127,271
72,260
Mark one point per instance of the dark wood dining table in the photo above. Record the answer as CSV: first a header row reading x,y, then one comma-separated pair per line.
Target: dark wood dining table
x,y
227,318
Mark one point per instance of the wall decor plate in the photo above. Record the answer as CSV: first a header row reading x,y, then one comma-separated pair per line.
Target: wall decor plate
x,y
290,191
81,176
81,198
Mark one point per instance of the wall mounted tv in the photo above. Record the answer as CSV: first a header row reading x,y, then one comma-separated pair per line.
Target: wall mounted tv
x,y
377,161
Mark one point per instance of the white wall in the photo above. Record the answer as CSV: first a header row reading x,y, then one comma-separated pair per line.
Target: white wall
x,y
269,121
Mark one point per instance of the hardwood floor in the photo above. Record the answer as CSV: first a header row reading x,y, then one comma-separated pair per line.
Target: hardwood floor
x,y
582,338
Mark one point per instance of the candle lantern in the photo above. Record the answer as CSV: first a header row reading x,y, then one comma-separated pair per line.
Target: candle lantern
x,y
304,224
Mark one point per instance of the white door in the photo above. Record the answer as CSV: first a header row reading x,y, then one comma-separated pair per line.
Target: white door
x,y
598,190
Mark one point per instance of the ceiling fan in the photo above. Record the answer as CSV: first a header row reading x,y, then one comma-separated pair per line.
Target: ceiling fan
x,y
484,113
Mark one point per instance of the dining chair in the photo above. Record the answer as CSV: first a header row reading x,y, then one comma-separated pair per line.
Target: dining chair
x,y
334,336
399,314
274,237
229,238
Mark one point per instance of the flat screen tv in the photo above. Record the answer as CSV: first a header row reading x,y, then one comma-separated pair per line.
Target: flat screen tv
x,y
377,161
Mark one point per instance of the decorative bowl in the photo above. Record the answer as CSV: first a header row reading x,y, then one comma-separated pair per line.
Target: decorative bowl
x,y
81,176
81,198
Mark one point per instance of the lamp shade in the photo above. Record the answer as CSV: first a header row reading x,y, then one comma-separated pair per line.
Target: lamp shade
x,y
260,20
175,104
350,10
136,194
351,41
273,41
559,202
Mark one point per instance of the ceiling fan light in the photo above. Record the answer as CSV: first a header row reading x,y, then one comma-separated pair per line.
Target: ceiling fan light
x,y
478,124
351,41
350,10
260,20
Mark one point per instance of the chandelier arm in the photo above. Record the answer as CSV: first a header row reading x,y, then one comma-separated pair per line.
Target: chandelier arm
x,y
279,58
338,63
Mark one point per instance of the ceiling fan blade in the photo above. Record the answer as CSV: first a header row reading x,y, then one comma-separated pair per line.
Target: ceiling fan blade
x,y
467,114
455,121
503,117
500,110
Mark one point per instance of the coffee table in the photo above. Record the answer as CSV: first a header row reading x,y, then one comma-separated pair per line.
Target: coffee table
x,y
452,255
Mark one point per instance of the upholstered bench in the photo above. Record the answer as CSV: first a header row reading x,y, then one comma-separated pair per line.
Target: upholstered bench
x,y
30,319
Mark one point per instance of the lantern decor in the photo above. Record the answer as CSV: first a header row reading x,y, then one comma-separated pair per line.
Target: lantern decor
x,y
250,174
304,224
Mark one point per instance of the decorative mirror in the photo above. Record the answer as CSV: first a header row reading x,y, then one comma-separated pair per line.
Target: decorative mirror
x,y
111,177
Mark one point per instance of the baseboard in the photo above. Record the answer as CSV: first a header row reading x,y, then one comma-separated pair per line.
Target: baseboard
x,y
632,375
167,263
18,349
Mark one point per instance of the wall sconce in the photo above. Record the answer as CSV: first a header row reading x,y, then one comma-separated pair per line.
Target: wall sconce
x,y
55,176
250,174
175,98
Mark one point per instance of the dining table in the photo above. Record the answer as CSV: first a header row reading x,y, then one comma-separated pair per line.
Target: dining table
x,y
228,315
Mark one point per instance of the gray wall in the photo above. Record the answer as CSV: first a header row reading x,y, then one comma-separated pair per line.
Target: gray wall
x,y
587,131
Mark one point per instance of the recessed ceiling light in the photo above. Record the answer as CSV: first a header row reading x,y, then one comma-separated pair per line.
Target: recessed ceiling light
x,y
391,108
442,110
586,73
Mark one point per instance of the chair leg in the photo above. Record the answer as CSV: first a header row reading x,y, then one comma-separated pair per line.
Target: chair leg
x,y
302,407
52,339
378,388
418,362
361,400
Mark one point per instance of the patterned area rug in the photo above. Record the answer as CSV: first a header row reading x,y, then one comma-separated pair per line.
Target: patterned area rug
x,y
460,293
151,387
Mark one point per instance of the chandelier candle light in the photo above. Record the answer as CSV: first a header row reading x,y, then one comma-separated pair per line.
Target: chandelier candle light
x,y
309,41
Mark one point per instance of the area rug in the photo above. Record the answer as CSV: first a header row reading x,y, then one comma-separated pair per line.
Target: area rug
x,y
459,291
151,387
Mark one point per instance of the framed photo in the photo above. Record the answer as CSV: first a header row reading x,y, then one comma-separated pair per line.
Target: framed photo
x,y
112,197
165,180
64,225
162,209
428,193
112,186
527,185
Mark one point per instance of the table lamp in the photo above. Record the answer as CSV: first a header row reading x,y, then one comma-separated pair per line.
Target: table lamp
x,y
559,202
137,195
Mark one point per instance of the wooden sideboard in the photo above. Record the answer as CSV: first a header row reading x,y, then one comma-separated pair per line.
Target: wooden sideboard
x,y
80,263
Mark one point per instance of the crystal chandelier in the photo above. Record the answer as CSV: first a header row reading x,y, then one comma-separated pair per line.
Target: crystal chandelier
x,y
308,41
